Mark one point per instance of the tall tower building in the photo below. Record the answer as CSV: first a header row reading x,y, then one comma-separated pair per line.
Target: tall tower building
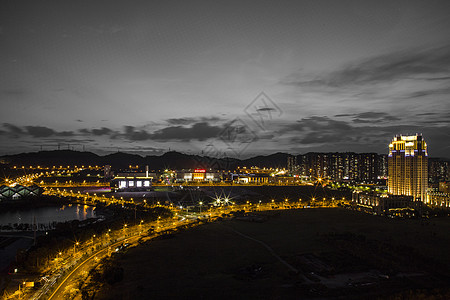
x,y
408,166
292,163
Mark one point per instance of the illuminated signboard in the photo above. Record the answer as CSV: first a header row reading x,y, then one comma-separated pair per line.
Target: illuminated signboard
x,y
199,171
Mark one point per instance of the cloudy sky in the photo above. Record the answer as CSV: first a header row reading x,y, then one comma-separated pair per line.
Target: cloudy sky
x,y
234,78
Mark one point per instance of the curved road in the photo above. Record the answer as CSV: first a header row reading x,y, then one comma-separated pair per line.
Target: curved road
x,y
86,264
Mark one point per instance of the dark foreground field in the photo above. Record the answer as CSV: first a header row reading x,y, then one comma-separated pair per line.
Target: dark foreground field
x,y
297,254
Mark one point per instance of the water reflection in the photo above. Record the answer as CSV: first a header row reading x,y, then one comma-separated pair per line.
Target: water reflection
x,y
46,215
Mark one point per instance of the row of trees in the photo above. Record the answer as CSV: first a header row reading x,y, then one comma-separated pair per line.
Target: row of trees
x,y
65,235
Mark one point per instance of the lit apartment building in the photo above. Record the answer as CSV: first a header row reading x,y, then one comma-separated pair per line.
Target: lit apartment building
x,y
408,166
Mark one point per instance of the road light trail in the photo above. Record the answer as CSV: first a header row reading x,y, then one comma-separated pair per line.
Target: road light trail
x,y
131,240
98,253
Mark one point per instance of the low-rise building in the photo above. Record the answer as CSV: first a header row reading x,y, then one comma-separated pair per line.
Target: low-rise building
x,y
439,196
19,191
383,204
249,178
133,181
198,175
438,199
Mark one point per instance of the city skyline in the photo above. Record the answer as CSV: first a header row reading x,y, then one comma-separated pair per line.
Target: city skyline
x,y
223,79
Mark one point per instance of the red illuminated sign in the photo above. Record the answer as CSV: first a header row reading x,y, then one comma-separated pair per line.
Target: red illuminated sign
x,y
199,171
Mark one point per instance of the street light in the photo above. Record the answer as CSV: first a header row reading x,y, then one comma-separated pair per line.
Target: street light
x,y
76,244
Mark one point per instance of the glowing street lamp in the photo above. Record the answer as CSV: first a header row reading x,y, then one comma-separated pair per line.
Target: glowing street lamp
x,y
74,245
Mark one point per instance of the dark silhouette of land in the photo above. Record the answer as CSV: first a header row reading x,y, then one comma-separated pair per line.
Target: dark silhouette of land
x,y
120,160
338,254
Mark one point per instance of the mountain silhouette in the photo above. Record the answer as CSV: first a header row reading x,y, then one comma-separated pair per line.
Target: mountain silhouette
x,y
122,160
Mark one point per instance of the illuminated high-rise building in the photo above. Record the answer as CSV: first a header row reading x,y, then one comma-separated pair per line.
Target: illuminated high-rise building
x,y
408,166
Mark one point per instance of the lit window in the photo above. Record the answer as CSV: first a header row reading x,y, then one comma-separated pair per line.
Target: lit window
x,y
122,184
147,183
130,183
139,183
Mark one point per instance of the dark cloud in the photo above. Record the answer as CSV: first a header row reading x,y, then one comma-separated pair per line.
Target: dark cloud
x,y
436,121
332,133
320,130
180,121
72,141
440,78
34,131
426,64
427,114
371,115
101,131
199,131
42,131
188,121
319,138
136,135
374,117
428,92
319,134
266,109
65,133
391,118
344,115
363,121
13,129
39,131
316,123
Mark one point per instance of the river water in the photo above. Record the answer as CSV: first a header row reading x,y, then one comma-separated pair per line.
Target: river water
x,y
46,215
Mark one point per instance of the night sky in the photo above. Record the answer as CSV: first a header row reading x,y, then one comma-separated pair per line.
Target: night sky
x,y
236,78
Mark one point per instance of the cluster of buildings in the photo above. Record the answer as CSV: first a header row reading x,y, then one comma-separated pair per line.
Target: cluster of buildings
x,y
408,181
356,167
406,169
335,166
141,181
136,181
